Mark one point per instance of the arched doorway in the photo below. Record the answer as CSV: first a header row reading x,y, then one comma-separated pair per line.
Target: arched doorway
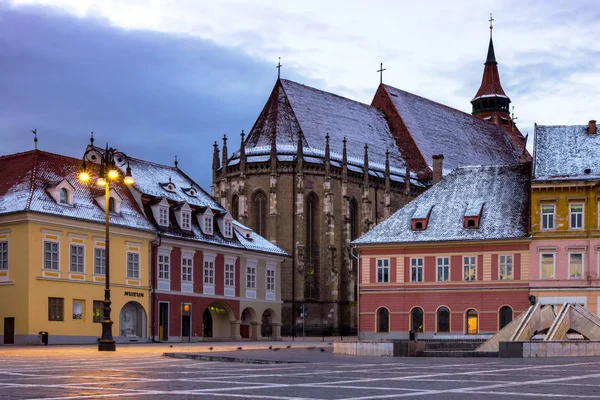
x,y
266,329
217,319
472,322
132,320
207,324
416,319
248,317
505,316
383,320
443,320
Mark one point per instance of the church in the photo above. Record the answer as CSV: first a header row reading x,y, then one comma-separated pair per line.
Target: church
x,y
318,170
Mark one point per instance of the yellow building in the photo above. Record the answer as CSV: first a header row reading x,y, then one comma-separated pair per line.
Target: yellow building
x,y
52,254
565,199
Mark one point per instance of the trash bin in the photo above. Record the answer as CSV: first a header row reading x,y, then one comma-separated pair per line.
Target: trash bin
x,y
43,336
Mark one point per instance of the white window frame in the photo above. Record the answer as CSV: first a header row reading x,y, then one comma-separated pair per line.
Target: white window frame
x,y
383,270
133,265
164,265
229,274
470,262
97,259
209,271
270,279
251,276
444,266
553,254
80,258
228,228
417,264
163,216
571,214
582,254
551,221
506,265
208,224
4,255
187,268
50,252
186,220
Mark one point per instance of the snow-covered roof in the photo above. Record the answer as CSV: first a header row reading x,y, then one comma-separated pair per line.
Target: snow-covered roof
x,y
462,138
564,152
26,177
502,190
293,106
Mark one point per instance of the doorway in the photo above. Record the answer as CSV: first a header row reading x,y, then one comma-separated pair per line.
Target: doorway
x,y
185,328
207,324
472,322
9,330
163,321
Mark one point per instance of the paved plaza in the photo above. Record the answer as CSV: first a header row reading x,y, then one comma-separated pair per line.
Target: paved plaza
x,y
142,372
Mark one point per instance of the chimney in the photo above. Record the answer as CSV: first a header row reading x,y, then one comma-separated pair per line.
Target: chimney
x,y
437,167
592,127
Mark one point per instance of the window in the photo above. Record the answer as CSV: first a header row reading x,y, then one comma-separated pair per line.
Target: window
x,y
229,274
187,268
311,250
383,320
164,261
548,217
64,196
111,204
259,213
78,309
98,310
383,270
505,269
186,221
209,272
472,322
576,211
163,216
133,265
575,265
235,205
208,224
416,270
251,277
51,255
547,266
99,261
228,231
443,269
56,309
270,279
505,317
77,261
470,268
3,255
470,223
416,319
443,320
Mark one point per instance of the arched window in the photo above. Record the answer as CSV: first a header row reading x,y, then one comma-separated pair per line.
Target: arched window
x,y
416,319
354,233
64,196
259,213
235,205
383,320
111,204
443,319
311,258
472,322
506,316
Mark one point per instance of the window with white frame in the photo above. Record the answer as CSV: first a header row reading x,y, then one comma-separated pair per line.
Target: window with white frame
x,y
186,221
575,265
416,270
576,216
133,265
208,224
470,268
228,229
163,216
548,216
229,274
4,255
209,272
505,267
383,270
270,279
51,255
251,277
187,268
99,261
547,265
77,259
443,269
164,263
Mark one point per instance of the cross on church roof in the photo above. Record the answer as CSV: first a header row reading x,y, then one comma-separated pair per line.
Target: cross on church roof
x,y
380,70
491,24
278,68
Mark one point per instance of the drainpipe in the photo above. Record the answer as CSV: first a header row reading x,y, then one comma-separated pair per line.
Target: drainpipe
x,y
155,244
294,254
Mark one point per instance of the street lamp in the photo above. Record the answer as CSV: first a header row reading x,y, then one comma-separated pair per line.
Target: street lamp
x,y
109,159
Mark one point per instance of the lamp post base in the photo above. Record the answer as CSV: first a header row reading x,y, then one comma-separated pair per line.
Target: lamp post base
x,y
106,345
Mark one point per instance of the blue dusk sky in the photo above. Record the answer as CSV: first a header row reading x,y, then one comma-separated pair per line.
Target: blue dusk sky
x,y
158,78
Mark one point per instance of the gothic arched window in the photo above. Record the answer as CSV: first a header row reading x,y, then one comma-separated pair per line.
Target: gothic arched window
x,y
235,204
383,320
259,212
353,219
311,259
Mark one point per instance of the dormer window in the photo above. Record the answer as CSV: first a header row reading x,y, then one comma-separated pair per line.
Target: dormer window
x,y
169,186
183,215
472,215
114,202
420,218
471,223
111,205
62,192
160,212
190,191
163,216
228,228
208,224
226,225
64,196
186,221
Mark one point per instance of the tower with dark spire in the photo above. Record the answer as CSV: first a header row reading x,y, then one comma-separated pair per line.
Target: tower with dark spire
x,y
490,102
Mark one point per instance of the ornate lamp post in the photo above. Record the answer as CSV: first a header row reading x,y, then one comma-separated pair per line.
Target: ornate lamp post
x,y
109,160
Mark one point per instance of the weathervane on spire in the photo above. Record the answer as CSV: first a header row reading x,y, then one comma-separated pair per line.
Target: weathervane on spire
x,y
35,140
491,25
279,68
380,70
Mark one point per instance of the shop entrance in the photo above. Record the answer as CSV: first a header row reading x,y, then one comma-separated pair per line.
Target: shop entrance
x,y
9,330
163,321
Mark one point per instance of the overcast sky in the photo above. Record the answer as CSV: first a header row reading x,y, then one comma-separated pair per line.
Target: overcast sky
x,y
159,78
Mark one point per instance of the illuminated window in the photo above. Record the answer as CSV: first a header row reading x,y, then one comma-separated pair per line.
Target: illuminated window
x,y
472,322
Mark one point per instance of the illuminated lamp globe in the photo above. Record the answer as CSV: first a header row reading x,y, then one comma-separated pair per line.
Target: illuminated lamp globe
x,y
84,176
101,181
113,173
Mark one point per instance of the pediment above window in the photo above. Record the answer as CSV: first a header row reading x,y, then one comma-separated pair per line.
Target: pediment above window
x,y
160,212
183,215
61,191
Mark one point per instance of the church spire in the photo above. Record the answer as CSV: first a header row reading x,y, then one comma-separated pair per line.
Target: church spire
x,y
490,102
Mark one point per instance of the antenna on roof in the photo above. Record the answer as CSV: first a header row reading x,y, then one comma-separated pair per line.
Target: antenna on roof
x,y
513,114
169,179
92,139
491,25
176,162
380,70
35,139
279,68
